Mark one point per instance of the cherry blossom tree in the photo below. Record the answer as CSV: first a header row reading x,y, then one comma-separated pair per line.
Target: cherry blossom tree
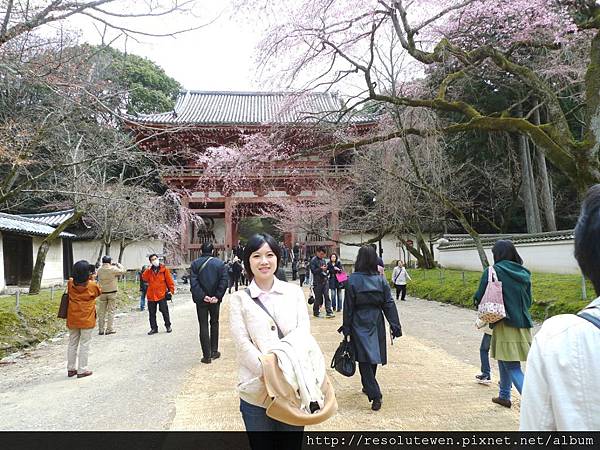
x,y
390,46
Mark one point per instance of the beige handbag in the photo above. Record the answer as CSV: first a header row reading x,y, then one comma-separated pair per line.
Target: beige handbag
x,y
283,404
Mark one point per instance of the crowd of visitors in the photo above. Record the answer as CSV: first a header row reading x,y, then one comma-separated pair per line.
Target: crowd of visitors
x,y
269,319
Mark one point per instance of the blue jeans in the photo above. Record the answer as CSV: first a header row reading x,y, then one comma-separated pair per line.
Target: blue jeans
x,y
143,300
510,373
256,419
265,433
484,354
337,299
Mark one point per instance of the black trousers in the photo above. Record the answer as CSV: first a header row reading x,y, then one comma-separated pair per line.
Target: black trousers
x,y
367,378
322,294
164,310
302,278
209,338
400,289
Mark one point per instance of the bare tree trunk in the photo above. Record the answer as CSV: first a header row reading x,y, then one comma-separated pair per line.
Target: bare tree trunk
x,y
122,246
424,248
527,188
547,203
100,252
40,261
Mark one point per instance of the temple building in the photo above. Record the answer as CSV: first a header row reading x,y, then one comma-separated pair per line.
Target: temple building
x,y
201,120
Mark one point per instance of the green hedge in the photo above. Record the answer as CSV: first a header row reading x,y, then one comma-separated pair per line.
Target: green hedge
x,y
37,318
552,293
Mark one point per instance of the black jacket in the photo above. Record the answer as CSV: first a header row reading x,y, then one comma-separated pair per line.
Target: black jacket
x,y
212,281
319,276
333,282
368,298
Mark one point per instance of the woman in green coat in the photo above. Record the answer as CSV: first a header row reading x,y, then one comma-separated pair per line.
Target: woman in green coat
x,y
511,337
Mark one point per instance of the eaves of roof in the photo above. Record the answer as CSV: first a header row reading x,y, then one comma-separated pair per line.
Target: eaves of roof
x,y
465,241
28,227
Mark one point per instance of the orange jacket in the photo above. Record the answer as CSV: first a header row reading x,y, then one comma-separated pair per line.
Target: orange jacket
x,y
158,282
82,304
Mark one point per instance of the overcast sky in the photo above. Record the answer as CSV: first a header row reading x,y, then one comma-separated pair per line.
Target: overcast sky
x,y
219,56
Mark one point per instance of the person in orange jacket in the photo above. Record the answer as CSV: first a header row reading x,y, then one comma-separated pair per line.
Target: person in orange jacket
x,y
81,317
160,288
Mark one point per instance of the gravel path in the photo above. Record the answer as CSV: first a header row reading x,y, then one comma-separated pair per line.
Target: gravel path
x,y
135,382
156,382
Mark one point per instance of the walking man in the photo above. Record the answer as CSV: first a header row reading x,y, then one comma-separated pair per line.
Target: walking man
x,y
107,277
318,268
160,288
208,283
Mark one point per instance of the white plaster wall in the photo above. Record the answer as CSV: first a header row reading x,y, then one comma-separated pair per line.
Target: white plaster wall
x,y
87,250
548,257
2,281
53,270
391,252
136,254
134,257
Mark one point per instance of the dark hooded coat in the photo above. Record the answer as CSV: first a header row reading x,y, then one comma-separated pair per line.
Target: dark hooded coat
x,y
368,299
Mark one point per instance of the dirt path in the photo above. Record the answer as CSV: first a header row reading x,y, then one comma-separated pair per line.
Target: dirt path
x,y
156,382
428,384
135,382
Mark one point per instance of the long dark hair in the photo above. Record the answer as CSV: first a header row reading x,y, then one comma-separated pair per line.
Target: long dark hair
x,y
366,261
587,237
256,242
81,272
504,250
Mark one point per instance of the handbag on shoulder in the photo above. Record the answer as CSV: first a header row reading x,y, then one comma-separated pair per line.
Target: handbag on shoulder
x,y
491,308
344,359
63,309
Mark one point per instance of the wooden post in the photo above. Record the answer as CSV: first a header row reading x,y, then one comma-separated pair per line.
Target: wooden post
x,y
463,278
18,301
185,238
335,230
228,223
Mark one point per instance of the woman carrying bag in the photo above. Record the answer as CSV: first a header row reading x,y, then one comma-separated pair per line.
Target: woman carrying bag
x,y
511,336
334,268
399,278
81,318
261,317
368,300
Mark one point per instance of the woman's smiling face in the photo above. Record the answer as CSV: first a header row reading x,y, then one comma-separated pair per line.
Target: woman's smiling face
x,y
263,263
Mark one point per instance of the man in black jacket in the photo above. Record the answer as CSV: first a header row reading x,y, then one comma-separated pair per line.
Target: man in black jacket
x,y
318,267
208,283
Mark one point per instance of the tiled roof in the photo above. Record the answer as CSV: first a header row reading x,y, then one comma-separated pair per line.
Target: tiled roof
x,y
24,225
253,108
53,218
464,240
80,231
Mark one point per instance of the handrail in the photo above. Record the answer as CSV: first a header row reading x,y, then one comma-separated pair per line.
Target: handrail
x,y
266,172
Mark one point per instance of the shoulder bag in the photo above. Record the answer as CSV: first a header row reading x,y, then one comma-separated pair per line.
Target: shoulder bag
x,y
491,308
63,309
590,318
264,308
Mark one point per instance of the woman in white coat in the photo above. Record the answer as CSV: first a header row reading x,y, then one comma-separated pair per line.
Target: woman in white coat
x,y
255,333
399,278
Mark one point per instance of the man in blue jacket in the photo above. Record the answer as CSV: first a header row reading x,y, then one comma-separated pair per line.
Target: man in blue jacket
x,y
208,283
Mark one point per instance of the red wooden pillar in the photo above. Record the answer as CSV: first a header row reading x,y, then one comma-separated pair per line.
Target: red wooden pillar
x,y
335,230
228,224
185,231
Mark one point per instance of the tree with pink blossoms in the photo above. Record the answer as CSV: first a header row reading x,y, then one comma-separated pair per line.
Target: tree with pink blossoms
x,y
389,47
